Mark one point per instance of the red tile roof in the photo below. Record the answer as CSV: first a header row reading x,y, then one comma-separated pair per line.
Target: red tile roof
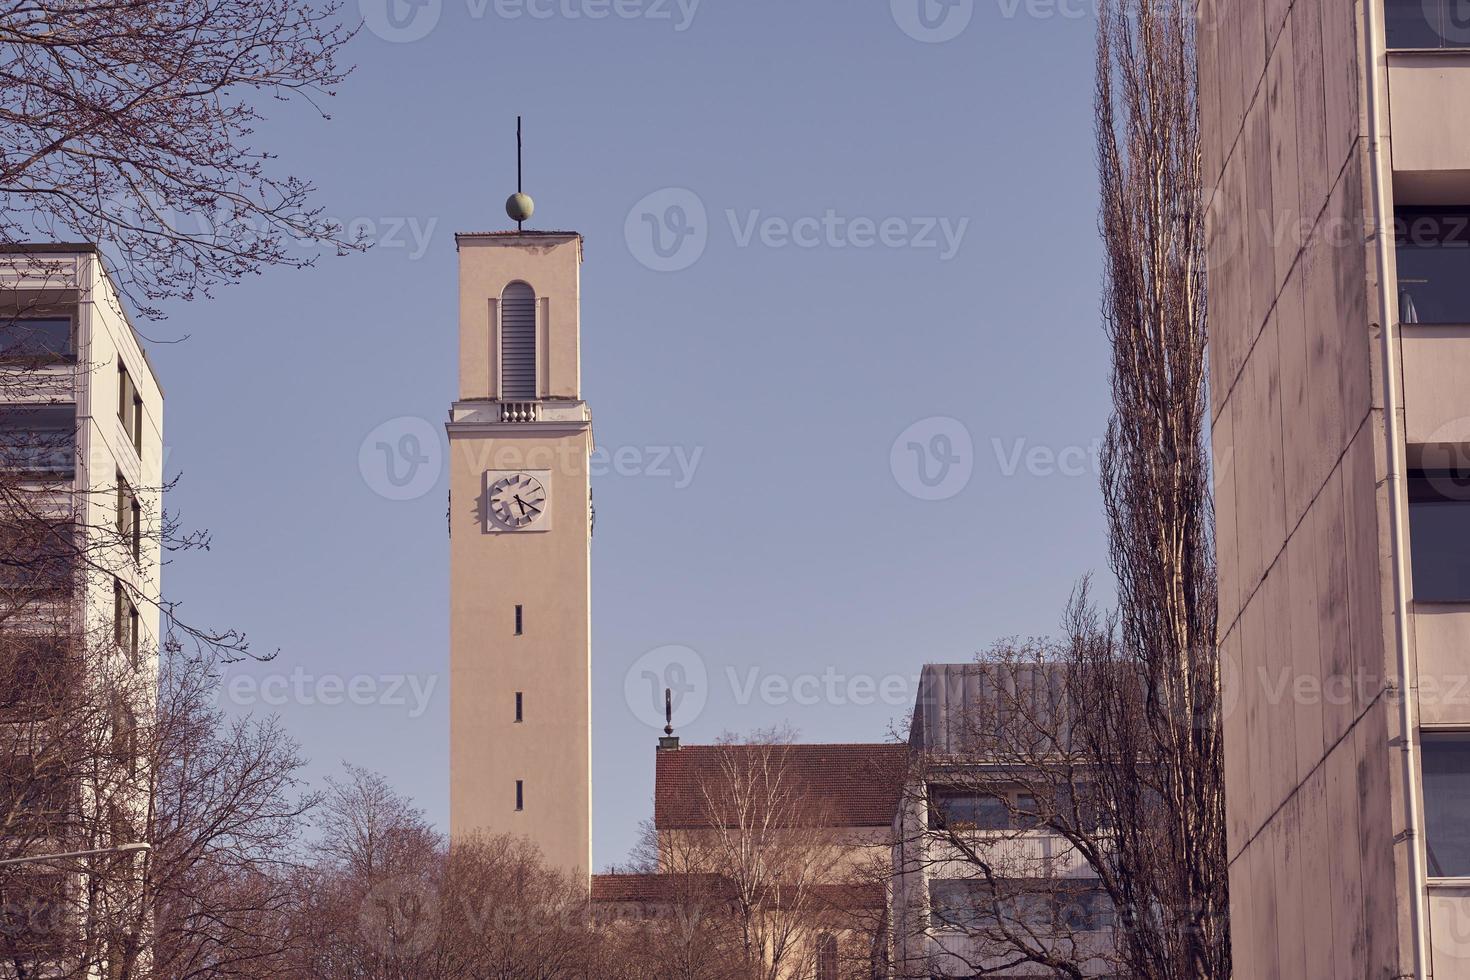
x,y
859,784
651,888
660,889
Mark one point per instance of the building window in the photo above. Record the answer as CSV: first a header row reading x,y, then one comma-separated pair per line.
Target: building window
x,y
519,705
520,795
973,906
40,440
1084,909
827,957
129,519
1446,762
125,621
1433,250
518,343
1439,534
125,737
35,338
129,407
957,809
1419,24
520,620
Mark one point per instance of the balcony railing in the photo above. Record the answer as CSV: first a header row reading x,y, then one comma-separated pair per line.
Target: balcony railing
x,y
519,411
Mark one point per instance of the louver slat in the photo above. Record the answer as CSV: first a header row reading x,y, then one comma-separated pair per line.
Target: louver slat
x,y
518,342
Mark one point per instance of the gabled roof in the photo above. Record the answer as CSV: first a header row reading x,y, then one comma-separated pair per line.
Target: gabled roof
x,y
859,785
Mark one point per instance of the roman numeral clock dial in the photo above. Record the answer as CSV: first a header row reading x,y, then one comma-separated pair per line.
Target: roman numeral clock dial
x,y
517,500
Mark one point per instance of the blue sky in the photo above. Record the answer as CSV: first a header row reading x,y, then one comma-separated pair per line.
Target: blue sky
x,y
892,263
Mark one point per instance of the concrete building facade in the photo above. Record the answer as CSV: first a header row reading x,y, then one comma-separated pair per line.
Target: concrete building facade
x,y
958,800
81,428
520,525
1336,152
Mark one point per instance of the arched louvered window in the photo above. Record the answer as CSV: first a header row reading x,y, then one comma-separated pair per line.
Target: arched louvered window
x,y
826,956
518,343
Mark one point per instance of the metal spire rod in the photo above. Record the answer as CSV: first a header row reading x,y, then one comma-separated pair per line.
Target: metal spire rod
x,y
518,162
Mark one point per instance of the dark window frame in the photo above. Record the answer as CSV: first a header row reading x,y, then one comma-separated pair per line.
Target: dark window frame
x,y
1423,25
1443,816
1432,248
39,440
126,622
1439,569
45,354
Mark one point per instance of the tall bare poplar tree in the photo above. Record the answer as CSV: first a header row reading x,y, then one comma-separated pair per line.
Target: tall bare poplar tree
x,y
1079,793
1158,744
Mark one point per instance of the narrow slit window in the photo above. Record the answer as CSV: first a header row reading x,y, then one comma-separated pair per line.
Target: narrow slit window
x,y
520,795
520,703
520,620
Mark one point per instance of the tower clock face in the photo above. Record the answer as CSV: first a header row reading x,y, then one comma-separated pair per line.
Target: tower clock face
x,y
517,500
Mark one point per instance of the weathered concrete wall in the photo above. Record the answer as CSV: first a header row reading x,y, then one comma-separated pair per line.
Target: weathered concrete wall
x,y
1305,587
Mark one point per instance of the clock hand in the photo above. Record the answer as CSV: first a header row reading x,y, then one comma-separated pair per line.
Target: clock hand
x,y
522,503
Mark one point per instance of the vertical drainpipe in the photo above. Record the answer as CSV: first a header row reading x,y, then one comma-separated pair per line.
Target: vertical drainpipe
x,y
1379,165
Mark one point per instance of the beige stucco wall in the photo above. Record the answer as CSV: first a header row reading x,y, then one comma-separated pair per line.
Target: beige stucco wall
x,y
551,265
1317,870
1431,130
545,571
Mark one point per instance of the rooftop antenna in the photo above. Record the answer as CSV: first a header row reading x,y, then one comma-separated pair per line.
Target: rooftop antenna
x,y
519,205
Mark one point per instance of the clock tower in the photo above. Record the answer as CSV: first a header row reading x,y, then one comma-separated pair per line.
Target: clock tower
x,y
520,526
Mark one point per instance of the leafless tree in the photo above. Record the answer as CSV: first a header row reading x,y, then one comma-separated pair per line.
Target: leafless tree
x,y
369,900
1006,856
130,123
1106,741
386,896
225,808
767,878
1157,728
